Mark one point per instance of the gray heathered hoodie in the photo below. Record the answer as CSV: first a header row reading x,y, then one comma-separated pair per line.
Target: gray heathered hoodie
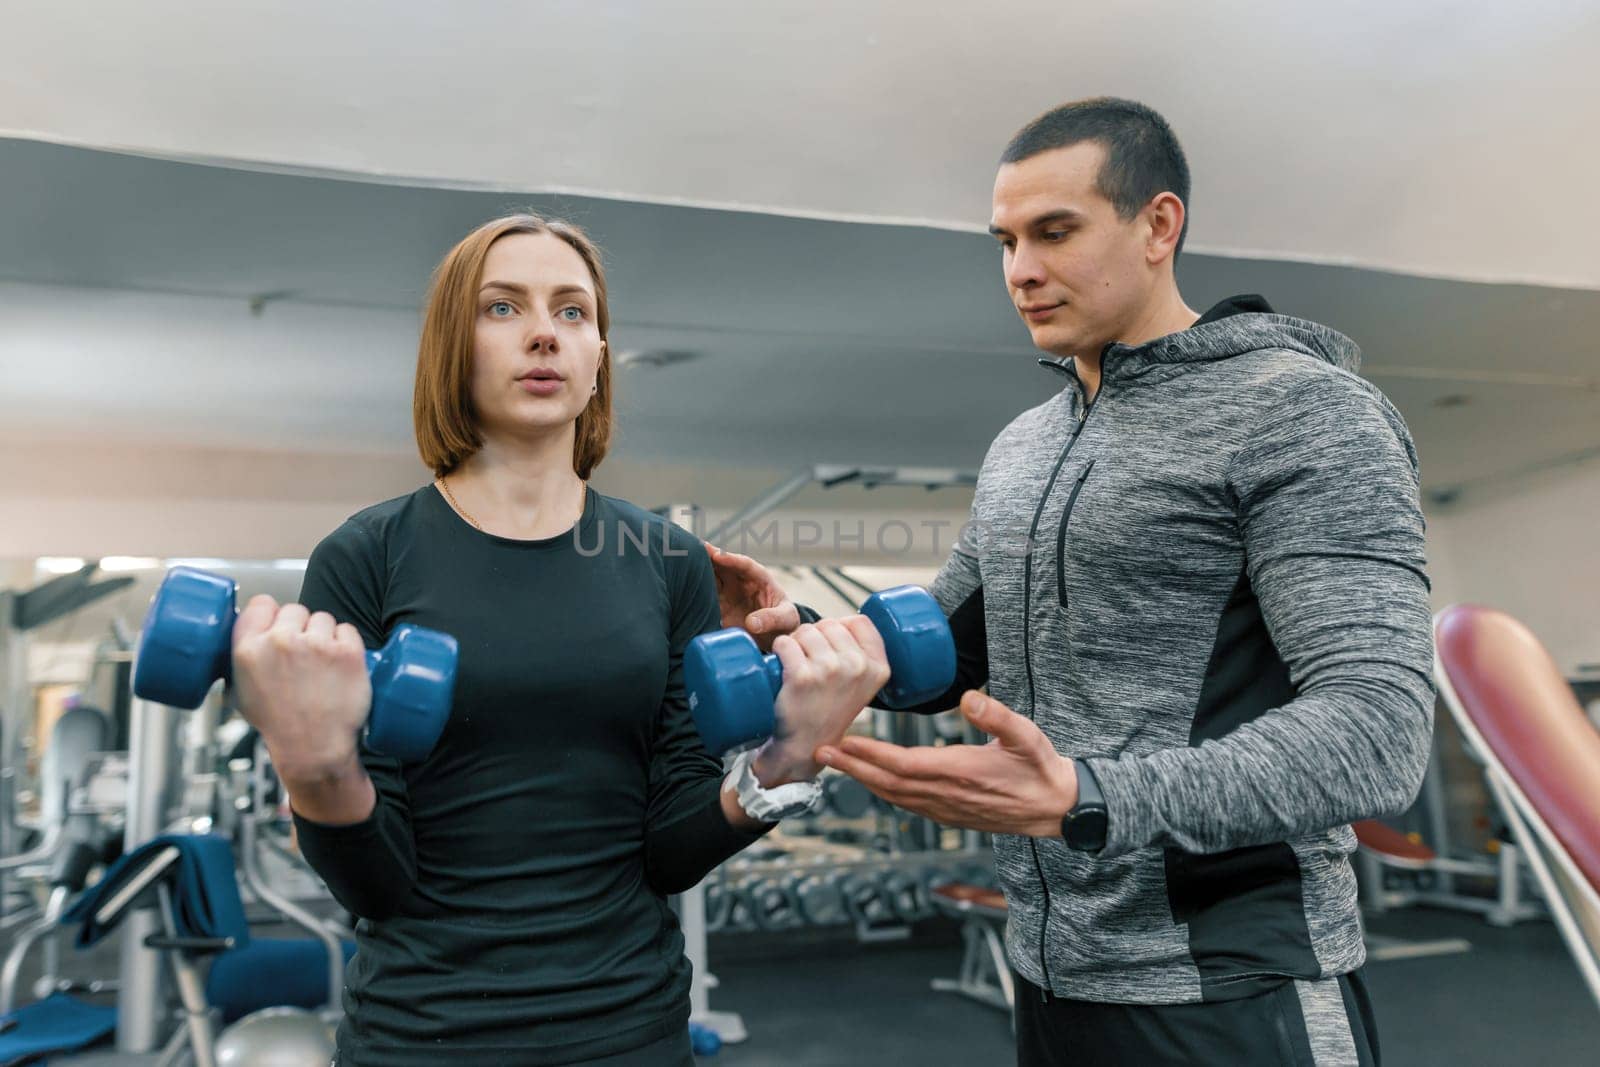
x,y
1224,611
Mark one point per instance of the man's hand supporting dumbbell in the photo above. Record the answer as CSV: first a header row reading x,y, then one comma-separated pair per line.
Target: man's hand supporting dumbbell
x,y
1015,784
749,597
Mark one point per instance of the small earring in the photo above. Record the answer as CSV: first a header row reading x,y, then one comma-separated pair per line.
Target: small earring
x,y
594,389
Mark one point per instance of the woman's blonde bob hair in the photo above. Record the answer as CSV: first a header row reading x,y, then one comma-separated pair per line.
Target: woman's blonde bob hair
x,y
441,405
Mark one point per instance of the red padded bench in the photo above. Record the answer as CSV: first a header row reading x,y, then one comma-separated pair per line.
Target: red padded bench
x,y
1518,712
985,976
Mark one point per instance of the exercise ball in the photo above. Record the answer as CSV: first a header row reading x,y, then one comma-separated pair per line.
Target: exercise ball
x,y
276,1037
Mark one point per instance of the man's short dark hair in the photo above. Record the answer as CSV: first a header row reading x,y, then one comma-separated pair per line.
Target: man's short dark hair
x,y
1143,157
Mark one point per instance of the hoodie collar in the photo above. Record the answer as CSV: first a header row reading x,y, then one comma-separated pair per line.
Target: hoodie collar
x,y
1231,327
1235,305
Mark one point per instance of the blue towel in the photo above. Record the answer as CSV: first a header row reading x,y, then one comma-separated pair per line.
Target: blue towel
x,y
271,972
58,1023
205,890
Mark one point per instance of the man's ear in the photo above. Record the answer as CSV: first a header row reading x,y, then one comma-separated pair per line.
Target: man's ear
x,y
1165,215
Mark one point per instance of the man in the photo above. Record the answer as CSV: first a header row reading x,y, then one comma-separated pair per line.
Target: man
x,y
1194,587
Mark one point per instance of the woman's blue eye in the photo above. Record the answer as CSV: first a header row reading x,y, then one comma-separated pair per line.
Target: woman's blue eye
x,y
573,313
499,304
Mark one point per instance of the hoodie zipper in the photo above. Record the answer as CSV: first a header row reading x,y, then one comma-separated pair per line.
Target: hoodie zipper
x,y
1027,659
1061,535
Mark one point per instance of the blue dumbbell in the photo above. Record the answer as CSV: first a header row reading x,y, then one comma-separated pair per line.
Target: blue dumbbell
x,y
704,1041
732,686
187,644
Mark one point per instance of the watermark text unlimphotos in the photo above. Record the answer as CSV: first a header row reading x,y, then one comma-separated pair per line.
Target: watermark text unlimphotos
x,y
769,537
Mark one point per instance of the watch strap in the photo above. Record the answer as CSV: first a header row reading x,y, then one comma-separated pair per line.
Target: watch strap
x,y
770,805
1084,827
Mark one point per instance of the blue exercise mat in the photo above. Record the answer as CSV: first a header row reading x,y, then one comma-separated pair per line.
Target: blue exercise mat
x,y
205,892
58,1023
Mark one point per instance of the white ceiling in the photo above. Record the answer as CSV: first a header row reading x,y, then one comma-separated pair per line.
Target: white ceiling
x,y
1429,137
125,315
1375,165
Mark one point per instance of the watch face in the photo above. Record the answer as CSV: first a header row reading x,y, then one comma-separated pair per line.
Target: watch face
x,y
1086,830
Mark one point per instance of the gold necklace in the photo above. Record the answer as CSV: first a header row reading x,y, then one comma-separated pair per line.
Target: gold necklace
x,y
448,495
583,489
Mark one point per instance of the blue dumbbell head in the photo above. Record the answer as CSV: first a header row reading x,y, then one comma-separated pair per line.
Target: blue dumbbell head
x,y
732,686
187,644
916,638
703,1040
413,681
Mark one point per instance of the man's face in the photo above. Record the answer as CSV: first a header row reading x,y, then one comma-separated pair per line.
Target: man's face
x,y
1076,273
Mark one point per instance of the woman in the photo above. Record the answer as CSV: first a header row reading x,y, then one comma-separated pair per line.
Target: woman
x,y
512,888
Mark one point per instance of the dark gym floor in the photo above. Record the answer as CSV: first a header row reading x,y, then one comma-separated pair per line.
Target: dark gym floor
x,y
823,1001
1515,998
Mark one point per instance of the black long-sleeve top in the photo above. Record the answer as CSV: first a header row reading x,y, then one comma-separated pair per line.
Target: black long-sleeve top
x,y
511,889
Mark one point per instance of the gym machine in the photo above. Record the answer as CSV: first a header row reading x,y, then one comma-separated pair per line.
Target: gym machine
x,y
169,787
1415,861
21,613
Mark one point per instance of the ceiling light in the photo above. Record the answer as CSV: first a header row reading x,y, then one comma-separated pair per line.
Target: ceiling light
x,y
653,357
201,564
129,563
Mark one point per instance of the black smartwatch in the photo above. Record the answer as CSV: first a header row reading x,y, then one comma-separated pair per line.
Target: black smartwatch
x,y
1084,827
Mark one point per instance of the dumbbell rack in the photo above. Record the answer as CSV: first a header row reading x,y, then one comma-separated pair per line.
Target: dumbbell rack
x,y
857,861
797,878
881,893
813,884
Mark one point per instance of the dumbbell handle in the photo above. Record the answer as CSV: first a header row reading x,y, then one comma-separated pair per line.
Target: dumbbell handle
x,y
732,706
774,669
891,695
190,615
187,644
375,659
376,656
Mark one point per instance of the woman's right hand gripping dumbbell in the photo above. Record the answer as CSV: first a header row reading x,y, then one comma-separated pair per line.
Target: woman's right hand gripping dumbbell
x,y
301,680
831,670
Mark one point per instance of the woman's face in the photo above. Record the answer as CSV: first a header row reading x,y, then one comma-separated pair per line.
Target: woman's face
x,y
536,343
